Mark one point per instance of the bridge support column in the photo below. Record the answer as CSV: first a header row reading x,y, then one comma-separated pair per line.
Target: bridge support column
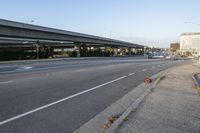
x,y
129,51
115,51
78,50
52,52
37,46
136,51
145,50
38,51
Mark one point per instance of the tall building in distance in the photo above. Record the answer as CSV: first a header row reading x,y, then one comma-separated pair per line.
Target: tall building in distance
x,y
190,43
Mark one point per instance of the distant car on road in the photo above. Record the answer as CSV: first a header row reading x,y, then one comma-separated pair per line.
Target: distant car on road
x,y
155,56
159,56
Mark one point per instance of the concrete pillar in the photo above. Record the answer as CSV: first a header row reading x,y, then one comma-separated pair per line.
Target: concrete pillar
x,y
143,51
78,50
129,51
83,50
37,46
103,49
52,52
136,50
115,51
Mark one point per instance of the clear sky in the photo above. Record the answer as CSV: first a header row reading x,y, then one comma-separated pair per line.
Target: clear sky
x,y
151,22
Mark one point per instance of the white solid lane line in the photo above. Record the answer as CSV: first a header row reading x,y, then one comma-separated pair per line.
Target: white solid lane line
x,y
6,82
131,74
59,101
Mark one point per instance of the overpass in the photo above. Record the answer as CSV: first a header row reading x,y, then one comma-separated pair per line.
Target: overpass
x,y
22,34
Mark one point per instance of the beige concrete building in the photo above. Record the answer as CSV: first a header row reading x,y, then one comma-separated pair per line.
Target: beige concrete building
x,y
190,43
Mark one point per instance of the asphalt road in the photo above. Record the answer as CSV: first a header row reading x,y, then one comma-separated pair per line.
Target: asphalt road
x,y
60,96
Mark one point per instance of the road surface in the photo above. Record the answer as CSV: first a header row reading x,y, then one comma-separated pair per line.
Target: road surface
x,y
60,96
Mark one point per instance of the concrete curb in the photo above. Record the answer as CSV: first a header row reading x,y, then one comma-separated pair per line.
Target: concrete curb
x,y
133,107
118,108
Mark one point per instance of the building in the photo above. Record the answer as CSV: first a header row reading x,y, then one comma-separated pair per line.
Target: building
x,y
190,43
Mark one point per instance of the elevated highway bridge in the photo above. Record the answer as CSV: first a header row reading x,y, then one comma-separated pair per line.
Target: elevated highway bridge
x,y
16,34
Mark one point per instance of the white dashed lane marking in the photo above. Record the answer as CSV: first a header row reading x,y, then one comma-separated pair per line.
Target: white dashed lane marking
x,y
144,70
131,74
6,82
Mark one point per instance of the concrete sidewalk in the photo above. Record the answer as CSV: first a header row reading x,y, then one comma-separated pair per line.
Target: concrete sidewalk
x,y
173,107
